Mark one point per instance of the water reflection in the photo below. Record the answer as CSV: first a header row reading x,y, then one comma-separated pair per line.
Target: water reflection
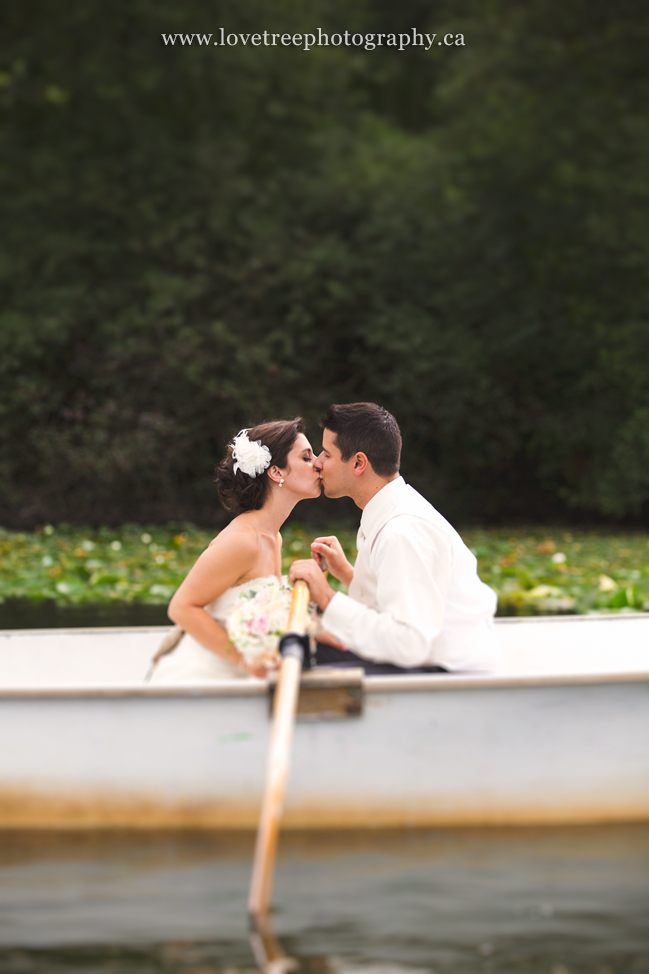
x,y
555,901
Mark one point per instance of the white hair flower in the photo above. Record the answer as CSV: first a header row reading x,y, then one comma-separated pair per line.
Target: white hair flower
x,y
250,458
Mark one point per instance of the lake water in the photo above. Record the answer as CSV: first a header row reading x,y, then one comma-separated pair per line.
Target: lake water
x,y
47,614
526,900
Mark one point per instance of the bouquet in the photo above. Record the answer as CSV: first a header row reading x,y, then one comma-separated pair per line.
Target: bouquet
x,y
259,618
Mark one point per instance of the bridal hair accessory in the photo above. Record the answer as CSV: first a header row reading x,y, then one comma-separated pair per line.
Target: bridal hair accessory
x,y
250,458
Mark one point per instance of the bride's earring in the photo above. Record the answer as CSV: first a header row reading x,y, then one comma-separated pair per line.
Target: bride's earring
x,y
281,482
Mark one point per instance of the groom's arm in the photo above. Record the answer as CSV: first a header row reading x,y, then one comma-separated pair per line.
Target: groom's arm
x,y
411,561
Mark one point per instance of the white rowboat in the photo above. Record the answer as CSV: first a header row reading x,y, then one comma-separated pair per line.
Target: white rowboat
x,y
561,735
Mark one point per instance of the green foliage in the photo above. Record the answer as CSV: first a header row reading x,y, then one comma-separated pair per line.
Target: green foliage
x,y
198,238
554,571
533,572
82,566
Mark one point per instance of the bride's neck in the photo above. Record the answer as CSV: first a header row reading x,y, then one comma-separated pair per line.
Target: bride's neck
x,y
272,515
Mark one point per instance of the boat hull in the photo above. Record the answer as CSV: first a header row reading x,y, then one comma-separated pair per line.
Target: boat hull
x,y
430,751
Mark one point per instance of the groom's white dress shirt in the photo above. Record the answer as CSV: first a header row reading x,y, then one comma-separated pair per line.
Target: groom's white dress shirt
x,y
415,599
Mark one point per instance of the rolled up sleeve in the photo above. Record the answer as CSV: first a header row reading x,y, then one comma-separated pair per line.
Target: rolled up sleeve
x,y
411,561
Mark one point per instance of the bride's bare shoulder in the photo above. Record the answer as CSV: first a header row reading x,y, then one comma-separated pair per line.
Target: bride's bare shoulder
x,y
239,532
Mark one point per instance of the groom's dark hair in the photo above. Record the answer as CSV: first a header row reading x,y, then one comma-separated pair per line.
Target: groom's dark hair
x,y
364,427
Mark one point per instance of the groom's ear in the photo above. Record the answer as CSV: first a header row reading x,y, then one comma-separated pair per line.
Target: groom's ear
x,y
360,464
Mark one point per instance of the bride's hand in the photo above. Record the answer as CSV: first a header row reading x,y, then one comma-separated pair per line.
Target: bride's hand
x,y
252,667
328,639
259,670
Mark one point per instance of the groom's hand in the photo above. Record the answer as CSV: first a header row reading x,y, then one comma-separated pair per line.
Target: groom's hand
x,y
329,550
320,589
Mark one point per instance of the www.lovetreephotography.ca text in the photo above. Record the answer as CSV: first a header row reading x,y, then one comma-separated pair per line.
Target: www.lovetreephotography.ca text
x,y
307,41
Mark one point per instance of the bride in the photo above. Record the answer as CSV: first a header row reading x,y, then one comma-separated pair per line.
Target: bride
x,y
265,472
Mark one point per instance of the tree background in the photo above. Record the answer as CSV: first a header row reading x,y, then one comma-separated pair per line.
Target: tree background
x,y
197,238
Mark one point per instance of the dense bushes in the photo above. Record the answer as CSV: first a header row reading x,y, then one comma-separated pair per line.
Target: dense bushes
x,y
198,238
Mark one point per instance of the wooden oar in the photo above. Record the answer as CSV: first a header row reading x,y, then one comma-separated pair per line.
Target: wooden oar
x,y
279,753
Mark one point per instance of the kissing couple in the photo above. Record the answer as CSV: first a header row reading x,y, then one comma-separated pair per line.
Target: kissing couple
x,y
415,602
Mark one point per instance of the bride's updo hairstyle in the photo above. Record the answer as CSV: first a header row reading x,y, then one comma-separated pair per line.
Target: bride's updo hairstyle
x,y
239,491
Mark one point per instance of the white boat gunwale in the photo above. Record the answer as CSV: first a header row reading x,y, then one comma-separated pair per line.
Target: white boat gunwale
x,y
371,684
595,617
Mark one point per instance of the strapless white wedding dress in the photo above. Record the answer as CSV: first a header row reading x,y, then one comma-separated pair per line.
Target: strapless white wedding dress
x,y
189,662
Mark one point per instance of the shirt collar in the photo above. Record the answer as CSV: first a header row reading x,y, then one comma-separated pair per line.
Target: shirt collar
x,y
378,510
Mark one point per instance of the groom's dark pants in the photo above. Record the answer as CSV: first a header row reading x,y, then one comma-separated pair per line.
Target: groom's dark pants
x,y
329,656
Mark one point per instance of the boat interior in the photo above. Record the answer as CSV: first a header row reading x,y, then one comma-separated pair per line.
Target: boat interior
x,y
537,647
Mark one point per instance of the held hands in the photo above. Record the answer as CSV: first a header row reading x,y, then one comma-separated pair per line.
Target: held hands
x,y
328,553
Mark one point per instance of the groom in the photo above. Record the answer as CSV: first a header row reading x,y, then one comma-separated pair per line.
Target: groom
x,y
415,601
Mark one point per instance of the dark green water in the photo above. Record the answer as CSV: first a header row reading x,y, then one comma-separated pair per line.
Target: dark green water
x,y
26,614
555,901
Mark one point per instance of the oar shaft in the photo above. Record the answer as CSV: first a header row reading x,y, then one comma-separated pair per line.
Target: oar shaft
x,y
278,759
297,615
279,752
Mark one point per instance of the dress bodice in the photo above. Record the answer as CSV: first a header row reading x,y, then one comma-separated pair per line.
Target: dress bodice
x,y
189,662
221,607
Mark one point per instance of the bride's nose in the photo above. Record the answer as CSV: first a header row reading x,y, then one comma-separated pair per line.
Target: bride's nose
x,y
317,464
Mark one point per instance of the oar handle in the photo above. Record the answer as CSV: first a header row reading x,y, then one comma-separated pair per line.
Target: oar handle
x,y
297,616
277,762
